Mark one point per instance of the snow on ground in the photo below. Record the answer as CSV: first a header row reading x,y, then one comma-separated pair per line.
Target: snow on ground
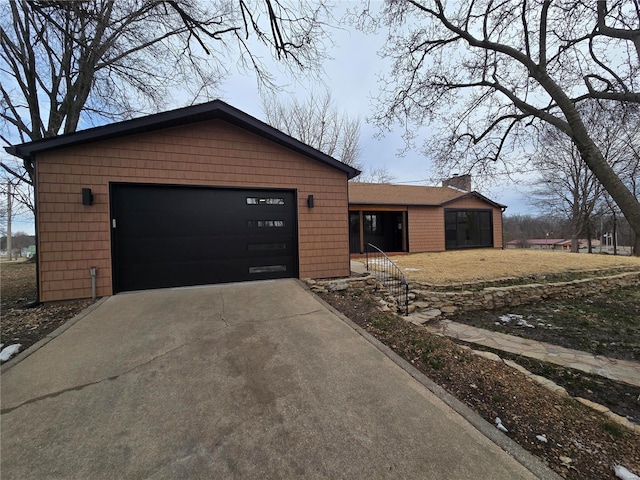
x,y
9,351
520,321
625,474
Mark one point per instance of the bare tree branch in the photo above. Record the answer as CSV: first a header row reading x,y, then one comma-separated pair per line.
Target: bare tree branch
x,y
318,123
469,68
68,64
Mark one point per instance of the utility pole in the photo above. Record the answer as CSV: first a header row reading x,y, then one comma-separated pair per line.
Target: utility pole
x,y
9,220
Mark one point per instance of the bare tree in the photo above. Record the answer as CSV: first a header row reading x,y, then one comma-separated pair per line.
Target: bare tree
x,y
526,227
317,122
376,175
494,72
566,186
64,64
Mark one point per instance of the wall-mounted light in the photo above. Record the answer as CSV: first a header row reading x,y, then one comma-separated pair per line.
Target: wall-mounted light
x,y
87,196
310,201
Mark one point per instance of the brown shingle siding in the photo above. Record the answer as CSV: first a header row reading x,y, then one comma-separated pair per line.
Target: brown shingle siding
x,y
426,229
74,237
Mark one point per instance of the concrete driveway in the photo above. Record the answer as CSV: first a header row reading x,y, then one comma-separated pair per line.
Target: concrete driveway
x,y
253,380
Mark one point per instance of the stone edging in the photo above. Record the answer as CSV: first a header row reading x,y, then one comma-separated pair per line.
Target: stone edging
x,y
555,388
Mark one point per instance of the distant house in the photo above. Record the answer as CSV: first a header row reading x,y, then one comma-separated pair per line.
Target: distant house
x,y
546,243
403,218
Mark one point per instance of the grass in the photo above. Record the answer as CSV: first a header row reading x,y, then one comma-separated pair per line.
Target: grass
x,y
490,264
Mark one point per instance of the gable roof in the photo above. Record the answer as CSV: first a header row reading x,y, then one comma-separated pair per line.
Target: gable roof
x,y
214,110
389,194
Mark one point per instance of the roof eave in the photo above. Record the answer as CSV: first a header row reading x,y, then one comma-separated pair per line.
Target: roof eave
x,y
477,195
395,204
215,110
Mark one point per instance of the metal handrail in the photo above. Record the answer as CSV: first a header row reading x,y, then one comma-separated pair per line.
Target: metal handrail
x,y
389,274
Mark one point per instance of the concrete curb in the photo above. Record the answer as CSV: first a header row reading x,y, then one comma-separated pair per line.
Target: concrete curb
x,y
528,460
57,332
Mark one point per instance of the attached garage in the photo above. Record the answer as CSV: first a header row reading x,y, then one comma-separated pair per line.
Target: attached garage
x,y
204,194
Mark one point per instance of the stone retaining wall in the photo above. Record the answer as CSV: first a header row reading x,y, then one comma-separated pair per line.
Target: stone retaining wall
x,y
421,297
495,297
501,282
367,282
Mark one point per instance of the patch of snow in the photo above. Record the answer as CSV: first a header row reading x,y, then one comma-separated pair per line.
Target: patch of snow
x,y
520,321
377,261
500,426
624,474
523,323
9,351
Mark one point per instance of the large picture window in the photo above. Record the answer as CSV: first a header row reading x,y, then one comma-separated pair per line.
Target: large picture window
x,y
468,228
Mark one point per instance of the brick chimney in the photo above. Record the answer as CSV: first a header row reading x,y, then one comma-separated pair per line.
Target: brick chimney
x,y
461,182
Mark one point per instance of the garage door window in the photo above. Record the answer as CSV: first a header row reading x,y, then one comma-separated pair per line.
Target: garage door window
x,y
264,201
266,223
268,269
262,247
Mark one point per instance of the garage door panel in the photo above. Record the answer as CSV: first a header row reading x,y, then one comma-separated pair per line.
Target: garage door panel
x,y
203,249
173,236
172,274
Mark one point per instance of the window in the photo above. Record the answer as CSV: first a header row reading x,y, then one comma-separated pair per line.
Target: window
x,y
265,247
265,223
468,228
264,201
372,224
268,269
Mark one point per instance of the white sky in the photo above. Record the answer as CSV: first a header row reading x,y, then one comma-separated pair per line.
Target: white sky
x,y
352,77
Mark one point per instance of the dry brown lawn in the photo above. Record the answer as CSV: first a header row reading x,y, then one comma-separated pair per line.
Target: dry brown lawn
x,y
488,264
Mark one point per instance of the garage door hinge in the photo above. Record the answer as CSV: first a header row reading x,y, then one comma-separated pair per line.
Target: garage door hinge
x,y
113,223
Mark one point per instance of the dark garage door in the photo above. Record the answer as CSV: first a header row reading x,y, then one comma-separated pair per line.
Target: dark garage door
x,y
168,236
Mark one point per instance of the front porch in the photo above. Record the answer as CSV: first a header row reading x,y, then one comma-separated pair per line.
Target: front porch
x,y
383,226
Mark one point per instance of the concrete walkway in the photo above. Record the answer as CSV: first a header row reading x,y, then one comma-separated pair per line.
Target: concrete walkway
x,y
618,370
255,380
358,266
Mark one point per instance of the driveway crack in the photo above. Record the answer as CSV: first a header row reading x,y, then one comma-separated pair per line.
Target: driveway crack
x,y
224,320
77,388
97,382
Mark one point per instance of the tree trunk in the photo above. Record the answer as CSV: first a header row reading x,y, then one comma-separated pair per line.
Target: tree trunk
x,y
615,234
